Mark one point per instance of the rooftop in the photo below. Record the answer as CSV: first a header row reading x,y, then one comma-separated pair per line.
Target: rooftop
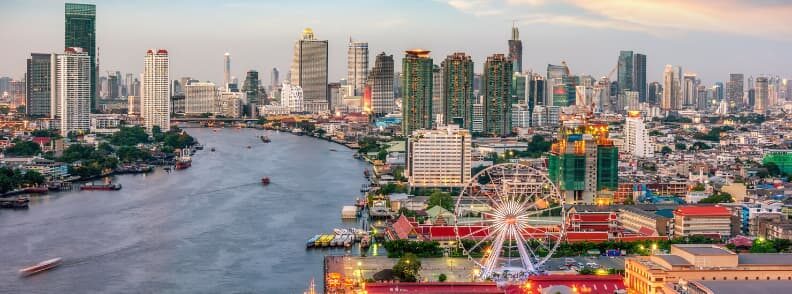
x,y
765,259
715,210
740,287
703,249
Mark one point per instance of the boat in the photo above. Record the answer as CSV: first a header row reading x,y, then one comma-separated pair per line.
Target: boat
x,y
213,149
37,190
333,150
348,241
41,266
265,139
199,147
265,181
19,202
312,241
184,161
356,156
366,173
100,187
248,147
325,240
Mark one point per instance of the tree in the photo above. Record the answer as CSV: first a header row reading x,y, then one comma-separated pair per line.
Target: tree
x,y
680,146
442,278
721,197
406,269
33,178
23,148
655,133
761,245
4,109
772,169
129,136
666,150
442,199
382,154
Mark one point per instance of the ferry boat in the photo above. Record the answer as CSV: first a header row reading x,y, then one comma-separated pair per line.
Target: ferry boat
x,y
19,202
41,266
100,187
324,241
265,181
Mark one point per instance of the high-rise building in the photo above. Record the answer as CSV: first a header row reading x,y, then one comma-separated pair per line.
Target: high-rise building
x,y
560,88
251,88
734,90
381,77
226,70
636,137
334,90
72,91
515,49
584,163
292,97
689,89
496,89
457,90
80,32
761,95
155,100
654,93
309,71
639,80
38,80
417,84
357,65
201,98
718,87
274,78
438,107
670,90
625,71
439,157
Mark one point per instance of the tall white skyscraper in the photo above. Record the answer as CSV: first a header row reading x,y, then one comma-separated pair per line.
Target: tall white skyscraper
x,y
72,90
357,65
636,138
309,71
226,70
762,93
155,98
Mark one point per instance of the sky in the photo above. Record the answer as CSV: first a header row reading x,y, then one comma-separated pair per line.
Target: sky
x,y
708,37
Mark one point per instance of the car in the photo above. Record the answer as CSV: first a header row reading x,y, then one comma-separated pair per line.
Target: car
x,y
563,267
592,265
580,265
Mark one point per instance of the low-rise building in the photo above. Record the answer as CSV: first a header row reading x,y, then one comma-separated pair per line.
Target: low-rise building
x,y
439,158
695,262
648,223
711,221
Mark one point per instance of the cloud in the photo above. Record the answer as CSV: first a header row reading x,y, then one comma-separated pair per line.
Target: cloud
x,y
767,20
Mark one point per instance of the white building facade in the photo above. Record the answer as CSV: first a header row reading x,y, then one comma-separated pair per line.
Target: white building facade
x,y
155,89
201,98
439,158
636,138
72,93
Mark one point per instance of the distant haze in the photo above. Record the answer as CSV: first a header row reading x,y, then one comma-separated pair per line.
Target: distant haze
x,y
710,38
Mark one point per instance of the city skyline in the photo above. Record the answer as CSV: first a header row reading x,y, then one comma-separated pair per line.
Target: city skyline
x,y
479,28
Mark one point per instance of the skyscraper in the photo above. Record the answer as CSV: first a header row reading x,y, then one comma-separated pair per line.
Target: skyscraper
x,y
38,80
274,79
381,77
670,90
761,95
72,94
357,65
654,94
636,137
309,71
625,71
515,49
416,88
81,33
155,98
251,88
458,90
689,89
639,79
734,90
718,87
200,98
496,90
226,70
438,105
557,84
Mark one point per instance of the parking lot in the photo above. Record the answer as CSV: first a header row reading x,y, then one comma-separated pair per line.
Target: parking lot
x,y
604,262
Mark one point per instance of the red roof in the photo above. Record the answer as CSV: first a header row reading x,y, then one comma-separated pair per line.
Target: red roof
x,y
576,283
149,51
572,237
432,287
715,210
41,140
646,231
403,228
447,232
162,51
598,217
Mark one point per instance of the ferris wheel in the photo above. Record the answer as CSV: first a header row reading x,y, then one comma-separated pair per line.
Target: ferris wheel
x,y
509,219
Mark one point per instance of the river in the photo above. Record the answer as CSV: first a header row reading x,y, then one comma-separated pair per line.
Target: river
x,y
212,228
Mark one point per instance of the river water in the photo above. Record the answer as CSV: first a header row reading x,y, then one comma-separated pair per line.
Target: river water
x,y
212,228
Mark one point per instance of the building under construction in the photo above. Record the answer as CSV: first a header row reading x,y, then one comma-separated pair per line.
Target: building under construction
x,y
583,163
